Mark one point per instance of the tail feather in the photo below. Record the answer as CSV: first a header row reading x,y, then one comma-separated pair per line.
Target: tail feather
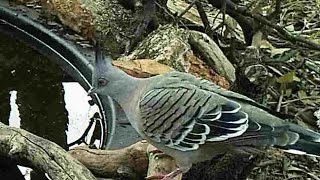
x,y
277,136
304,133
291,137
286,138
308,143
304,147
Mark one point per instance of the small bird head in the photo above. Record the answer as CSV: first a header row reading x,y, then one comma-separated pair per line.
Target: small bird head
x,y
101,74
106,79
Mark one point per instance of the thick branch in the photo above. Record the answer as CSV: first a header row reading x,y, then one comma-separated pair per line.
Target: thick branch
x,y
129,162
233,10
38,153
132,162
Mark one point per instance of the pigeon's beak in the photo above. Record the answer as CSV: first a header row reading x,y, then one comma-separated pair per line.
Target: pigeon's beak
x,y
91,91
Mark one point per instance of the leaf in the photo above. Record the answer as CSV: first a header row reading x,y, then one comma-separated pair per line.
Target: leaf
x,y
277,51
266,45
289,56
302,95
142,67
288,78
256,40
290,28
288,92
313,65
258,7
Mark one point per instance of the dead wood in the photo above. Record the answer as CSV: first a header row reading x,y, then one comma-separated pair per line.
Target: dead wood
x,y
38,153
130,162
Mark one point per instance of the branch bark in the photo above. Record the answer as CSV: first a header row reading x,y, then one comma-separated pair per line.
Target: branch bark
x,y
38,153
130,162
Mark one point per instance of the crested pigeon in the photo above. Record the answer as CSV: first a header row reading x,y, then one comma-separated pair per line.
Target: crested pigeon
x,y
192,119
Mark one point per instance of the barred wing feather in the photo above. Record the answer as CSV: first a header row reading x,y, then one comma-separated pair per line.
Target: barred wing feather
x,y
184,117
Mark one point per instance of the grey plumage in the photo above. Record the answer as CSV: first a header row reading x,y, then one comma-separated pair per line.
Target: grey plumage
x,y
178,113
192,119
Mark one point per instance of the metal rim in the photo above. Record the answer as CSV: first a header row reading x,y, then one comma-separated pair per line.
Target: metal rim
x,y
65,55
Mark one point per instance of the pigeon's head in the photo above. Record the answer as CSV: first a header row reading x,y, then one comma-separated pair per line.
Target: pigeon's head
x,y
105,78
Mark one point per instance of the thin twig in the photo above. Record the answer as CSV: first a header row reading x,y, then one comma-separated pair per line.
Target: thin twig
x,y
187,9
278,7
303,110
165,10
233,8
276,12
224,9
279,102
300,99
204,18
295,100
282,31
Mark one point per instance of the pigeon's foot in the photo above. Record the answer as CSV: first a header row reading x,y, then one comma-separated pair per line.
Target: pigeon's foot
x,y
169,176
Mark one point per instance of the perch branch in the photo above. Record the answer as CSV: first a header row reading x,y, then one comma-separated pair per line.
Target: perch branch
x,y
132,162
129,162
38,153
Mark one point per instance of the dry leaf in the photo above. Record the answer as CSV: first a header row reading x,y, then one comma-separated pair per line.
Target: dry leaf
x,y
143,67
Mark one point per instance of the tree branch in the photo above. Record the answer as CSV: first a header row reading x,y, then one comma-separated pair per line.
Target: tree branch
x,y
38,153
130,162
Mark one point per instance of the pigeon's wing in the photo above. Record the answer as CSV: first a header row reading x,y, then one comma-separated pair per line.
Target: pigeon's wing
x,y
180,114
184,118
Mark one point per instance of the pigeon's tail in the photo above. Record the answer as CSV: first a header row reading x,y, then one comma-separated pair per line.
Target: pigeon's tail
x,y
293,138
304,147
308,142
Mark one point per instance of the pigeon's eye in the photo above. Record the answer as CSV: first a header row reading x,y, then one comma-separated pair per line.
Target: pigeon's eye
x,y
102,82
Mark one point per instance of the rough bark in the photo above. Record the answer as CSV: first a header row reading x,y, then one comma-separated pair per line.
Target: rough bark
x,y
109,18
38,153
141,159
172,46
130,162
167,45
252,76
133,162
213,55
142,68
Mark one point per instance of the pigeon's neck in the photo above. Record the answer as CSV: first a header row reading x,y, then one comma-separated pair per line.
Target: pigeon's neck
x,y
125,89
